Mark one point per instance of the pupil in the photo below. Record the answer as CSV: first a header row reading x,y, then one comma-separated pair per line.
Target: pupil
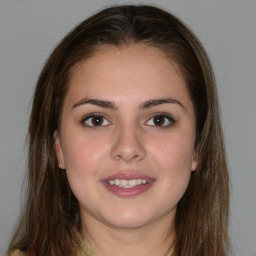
x,y
97,121
159,120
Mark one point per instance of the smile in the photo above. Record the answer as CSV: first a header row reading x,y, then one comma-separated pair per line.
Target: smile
x,y
128,184
122,183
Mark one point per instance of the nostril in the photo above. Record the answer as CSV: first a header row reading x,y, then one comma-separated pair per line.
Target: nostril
x,y
127,146
127,157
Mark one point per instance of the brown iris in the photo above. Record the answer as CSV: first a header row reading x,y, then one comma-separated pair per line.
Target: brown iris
x,y
159,120
97,120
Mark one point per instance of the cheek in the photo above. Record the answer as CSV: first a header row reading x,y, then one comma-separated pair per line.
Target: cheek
x,y
83,160
82,156
175,154
174,158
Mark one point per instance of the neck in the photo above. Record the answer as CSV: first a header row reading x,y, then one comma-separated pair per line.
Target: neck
x,y
154,239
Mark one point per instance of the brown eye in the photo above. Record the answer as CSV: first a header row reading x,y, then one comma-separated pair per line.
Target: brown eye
x,y
95,121
160,120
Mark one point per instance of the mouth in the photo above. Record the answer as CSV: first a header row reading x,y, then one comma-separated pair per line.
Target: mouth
x,y
128,184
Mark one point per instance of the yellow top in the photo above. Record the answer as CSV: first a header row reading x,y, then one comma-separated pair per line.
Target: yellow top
x,y
86,250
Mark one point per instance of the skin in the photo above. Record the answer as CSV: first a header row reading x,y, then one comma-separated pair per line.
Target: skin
x,y
127,141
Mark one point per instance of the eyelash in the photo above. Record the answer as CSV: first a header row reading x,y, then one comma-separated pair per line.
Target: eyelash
x,y
171,121
93,115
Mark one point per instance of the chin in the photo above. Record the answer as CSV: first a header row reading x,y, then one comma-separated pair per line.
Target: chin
x,y
129,219
128,223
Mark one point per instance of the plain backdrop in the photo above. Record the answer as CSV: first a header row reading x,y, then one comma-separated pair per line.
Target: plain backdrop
x,y
30,29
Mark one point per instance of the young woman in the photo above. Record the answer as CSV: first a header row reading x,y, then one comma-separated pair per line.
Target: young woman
x,y
126,154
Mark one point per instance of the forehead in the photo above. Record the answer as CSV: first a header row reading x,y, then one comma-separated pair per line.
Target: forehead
x,y
125,53
137,71
140,56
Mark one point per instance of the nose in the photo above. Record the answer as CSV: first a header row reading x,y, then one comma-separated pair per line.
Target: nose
x,y
128,145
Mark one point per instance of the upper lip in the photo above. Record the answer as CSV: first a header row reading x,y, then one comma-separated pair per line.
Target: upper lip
x,y
128,176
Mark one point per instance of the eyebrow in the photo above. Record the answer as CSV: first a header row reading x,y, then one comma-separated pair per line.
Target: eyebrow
x,y
111,105
156,102
96,102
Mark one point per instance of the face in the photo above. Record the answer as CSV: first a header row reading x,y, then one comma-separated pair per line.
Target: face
x,y
127,137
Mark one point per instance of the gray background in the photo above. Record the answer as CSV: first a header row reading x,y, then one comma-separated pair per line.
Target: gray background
x,y
30,29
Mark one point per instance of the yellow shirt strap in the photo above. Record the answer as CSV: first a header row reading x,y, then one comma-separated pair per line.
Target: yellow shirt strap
x,y
86,249
18,253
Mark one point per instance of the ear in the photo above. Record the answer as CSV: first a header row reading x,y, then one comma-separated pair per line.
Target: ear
x,y
194,162
58,150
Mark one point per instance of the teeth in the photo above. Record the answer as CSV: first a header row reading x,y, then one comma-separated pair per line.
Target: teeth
x,y
123,182
127,183
111,182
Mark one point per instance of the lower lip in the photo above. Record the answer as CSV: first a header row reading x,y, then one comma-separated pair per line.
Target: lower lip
x,y
128,192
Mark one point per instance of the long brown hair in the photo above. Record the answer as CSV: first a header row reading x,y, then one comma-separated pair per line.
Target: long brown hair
x,y
51,211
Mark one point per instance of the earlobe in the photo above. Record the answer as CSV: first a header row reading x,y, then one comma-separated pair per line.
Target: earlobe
x,y
194,163
58,150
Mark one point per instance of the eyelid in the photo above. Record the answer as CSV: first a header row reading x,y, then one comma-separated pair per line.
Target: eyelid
x,y
167,116
91,115
170,118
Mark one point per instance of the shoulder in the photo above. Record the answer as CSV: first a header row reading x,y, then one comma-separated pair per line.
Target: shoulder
x,y
17,253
